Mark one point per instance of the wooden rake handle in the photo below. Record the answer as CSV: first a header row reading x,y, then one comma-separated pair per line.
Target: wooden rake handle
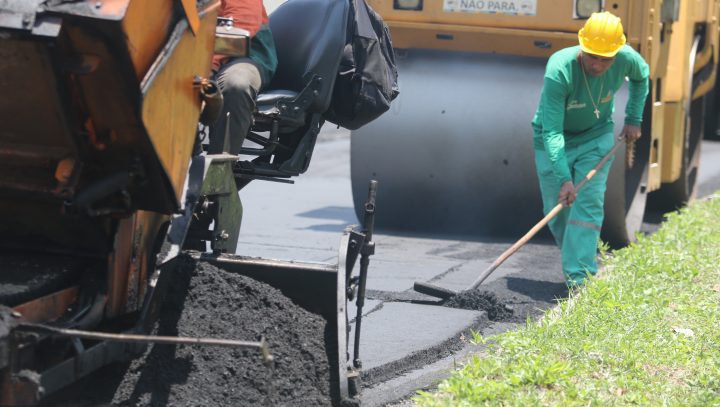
x,y
532,232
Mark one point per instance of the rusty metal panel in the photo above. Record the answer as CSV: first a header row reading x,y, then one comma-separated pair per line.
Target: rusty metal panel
x,y
49,307
111,96
31,112
120,263
78,98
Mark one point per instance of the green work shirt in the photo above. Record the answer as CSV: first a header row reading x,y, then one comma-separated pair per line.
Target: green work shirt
x,y
566,113
262,51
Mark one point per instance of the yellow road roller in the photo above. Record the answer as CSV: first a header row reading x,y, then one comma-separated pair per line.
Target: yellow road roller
x,y
454,153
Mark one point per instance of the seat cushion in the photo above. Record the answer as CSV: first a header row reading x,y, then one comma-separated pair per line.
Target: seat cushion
x,y
269,105
271,97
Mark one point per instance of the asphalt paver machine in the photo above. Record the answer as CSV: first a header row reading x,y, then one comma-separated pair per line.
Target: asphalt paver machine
x,y
104,180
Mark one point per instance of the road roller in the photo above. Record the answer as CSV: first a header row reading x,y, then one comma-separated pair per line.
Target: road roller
x,y
105,180
454,152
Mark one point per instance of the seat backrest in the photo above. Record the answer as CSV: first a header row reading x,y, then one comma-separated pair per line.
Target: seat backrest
x,y
309,38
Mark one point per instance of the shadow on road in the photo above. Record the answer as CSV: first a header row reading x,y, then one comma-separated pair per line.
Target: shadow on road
x,y
328,227
538,290
343,214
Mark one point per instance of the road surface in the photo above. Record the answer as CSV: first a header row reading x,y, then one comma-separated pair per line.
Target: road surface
x,y
406,344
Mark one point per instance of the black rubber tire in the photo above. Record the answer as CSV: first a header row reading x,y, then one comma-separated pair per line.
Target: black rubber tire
x,y
626,196
712,119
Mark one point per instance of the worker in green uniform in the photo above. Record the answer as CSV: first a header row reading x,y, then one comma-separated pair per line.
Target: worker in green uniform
x,y
573,130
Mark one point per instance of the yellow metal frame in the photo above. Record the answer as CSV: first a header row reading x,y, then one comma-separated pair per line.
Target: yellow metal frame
x,y
478,39
171,105
171,108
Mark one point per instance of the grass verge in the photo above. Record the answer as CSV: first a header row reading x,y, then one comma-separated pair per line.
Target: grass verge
x,y
645,331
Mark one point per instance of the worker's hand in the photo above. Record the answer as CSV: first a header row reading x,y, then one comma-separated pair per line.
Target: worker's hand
x,y
630,132
567,194
218,61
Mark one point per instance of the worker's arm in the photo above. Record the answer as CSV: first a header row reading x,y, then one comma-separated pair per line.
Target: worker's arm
x,y
637,73
553,96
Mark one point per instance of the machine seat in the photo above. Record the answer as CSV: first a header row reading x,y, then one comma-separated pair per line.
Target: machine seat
x,y
280,105
309,38
271,97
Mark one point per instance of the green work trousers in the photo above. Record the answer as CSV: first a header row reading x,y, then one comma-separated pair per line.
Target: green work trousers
x,y
577,229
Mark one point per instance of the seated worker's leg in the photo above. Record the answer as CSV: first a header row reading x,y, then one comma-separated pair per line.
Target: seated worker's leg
x,y
549,189
240,82
586,214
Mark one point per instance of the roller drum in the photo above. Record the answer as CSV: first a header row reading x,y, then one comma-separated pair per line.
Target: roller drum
x,y
454,153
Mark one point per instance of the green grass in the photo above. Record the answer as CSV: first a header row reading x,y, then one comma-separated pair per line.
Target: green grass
x,y
646,331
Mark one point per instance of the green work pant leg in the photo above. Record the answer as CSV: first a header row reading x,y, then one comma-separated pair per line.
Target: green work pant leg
x,y
585,219
577,229
549,189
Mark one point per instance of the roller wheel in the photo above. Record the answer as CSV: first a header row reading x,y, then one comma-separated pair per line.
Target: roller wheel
x,y
712,120
626,196
678,193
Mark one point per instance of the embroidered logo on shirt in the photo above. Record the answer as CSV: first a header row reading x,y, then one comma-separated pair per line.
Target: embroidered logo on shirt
x,y
607,98
574,104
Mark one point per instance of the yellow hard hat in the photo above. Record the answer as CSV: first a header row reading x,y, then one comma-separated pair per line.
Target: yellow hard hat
x,y
602,35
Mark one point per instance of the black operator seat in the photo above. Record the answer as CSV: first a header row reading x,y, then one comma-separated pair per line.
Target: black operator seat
x,y
309,38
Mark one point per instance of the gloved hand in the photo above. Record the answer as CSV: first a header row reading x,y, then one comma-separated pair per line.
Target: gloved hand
x,y
567,194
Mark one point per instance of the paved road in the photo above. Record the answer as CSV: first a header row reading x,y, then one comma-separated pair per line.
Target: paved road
x,y
304,221
405,345
709,175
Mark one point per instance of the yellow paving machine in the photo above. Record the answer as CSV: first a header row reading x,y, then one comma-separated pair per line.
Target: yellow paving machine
x,y
104,179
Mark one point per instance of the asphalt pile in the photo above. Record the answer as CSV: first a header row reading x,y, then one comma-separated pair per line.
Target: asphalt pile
x,y
481,301
204,301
